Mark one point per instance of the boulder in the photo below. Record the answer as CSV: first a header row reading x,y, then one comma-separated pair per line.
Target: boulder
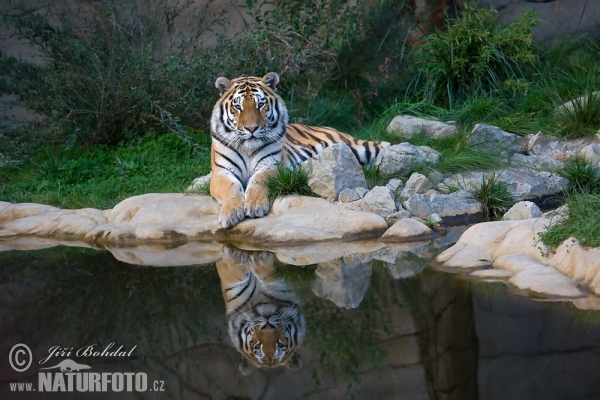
x,y
178,218
395,186
592,154
457,208
522,184
416,184
522,210
333,170
379,201
348,195
397,216
406,126
407,230
398,159
492,138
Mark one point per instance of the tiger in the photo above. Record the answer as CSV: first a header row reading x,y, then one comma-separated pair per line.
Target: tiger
x,y
265,320
251,137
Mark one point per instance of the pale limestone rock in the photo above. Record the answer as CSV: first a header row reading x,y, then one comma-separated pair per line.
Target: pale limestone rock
x,y
592,154
523,210
348,195
399,158
416,184
491,138
63,223
492,274
11,212
407,126
362,191
395,186
535,140
397,216
407,230
333,170
457,208
379,201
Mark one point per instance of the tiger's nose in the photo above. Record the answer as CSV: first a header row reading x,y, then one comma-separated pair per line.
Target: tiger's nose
x,y
252,129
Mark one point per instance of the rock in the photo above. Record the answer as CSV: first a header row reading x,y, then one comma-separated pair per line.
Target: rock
x,y
407,230
361,191
457,208
515,246
201,184
492,274
416,184
398,159
535,162
379,201
535,140
491,138
592,154
578,103
522,184
348,195
10,211
522,210
395,186
558,214
407,126
333,170
178,218
343,284
435,177
435,218
397,216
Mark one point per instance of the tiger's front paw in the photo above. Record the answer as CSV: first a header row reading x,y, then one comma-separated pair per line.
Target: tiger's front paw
x,y
256,204
232,213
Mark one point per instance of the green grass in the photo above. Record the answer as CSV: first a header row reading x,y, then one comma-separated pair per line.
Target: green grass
x,y
582,222
494,195
581,174
288,181
102,176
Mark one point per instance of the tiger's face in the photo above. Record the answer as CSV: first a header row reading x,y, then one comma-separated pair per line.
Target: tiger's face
x,y
249,109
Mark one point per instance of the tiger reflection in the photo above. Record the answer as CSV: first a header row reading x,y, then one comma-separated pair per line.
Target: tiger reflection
x,y
266,324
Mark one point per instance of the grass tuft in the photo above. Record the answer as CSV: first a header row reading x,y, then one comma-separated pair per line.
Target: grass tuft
x,y
494,195
581,174
288,181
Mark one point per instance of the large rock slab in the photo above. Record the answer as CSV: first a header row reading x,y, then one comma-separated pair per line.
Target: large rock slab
x,y
407,230
378,200
458,208
492,138
407,126
178,218
398,159
523,210
333,170
522,184
514,246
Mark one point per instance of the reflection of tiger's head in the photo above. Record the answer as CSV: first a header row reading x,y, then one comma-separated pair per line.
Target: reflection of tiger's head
x,y
266,324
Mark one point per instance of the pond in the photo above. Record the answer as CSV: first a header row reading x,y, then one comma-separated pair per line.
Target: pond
x,y
352,327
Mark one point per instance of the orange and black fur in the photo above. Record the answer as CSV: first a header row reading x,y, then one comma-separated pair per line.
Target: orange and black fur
x,y
251,136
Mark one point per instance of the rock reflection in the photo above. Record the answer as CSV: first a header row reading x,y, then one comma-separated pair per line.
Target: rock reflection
x,y
265,322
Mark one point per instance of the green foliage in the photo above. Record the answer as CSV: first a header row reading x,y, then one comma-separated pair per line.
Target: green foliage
x,y
288,181
102,176
582,222
581,118
474,55
494,195
581,174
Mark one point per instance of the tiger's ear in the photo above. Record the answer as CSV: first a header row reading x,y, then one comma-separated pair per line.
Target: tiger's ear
x,y
294,363
223,84
246,368
271,80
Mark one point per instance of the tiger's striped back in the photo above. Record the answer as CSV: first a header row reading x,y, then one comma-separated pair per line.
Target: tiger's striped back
x,y
303,142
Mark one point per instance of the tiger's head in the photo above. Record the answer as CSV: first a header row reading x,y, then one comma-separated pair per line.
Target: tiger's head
x,y
272,337
249,111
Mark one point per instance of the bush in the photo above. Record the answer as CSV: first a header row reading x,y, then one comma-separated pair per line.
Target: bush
x,y
475,55
494,195
581,174
288,181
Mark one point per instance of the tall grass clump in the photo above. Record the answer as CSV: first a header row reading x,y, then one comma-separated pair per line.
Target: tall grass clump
x,y
494,195
288,181
582,175
474,55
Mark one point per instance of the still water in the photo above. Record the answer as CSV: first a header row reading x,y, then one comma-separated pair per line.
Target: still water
x,y
352,327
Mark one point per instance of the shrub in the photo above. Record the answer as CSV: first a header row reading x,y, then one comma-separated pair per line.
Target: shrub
x,y
494,195
475,55
581,174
